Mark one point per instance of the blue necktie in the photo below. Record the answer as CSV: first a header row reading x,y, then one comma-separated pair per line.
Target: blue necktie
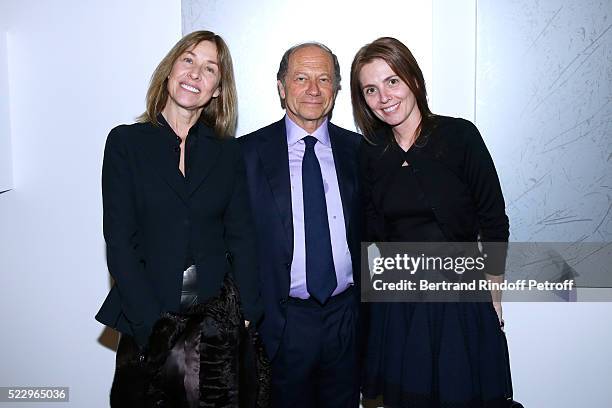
x,y
320,272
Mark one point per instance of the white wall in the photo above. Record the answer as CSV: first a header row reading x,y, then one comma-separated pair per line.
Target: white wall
x,y
76,69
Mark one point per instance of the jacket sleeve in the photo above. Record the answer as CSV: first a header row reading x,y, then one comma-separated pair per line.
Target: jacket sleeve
x,y
372,225
123,239
240,240
371,220
486,192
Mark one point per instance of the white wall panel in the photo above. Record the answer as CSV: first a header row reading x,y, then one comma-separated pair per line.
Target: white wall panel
x,y
453,89
544,102
6,162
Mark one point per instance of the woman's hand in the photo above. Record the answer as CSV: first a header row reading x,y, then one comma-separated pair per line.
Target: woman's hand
x,y
246,323
498,310
496,296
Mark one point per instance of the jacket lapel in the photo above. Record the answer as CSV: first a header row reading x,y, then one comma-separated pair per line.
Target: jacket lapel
x,y
275,161
343,160
163,161
207,155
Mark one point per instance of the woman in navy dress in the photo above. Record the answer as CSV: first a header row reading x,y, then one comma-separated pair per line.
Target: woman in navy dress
x,y
427,178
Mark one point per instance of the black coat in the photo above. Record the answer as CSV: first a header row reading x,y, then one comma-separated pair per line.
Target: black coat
x,y
457,175
153,218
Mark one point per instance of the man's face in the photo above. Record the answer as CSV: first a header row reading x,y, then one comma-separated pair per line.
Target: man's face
x,y
308,91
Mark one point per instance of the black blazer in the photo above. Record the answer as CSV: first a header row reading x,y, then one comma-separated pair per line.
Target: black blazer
x,y
455,171
152,217
267,164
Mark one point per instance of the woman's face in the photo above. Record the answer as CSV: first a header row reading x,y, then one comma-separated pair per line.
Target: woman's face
x,y
194,79
389,98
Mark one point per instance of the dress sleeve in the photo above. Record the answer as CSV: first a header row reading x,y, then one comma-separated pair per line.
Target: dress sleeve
x,y
481,177
240,240
139,303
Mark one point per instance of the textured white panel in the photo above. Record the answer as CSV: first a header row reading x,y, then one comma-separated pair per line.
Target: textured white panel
x,y
544,91
452,91
6,162
258,33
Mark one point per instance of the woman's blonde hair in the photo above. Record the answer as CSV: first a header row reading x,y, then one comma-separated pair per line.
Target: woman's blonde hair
x,y
220,113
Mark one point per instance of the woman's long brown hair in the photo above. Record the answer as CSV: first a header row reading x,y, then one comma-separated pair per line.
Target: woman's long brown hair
x,y
403,63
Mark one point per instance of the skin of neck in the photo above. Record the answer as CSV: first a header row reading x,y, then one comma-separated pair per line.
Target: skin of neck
x,y
405,132
180,119
308,125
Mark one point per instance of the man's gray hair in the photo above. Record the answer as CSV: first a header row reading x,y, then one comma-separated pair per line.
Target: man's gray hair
x,y
284,64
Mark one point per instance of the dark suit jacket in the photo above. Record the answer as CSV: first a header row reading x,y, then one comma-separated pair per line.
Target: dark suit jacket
x,y
152,217
267,164
455,171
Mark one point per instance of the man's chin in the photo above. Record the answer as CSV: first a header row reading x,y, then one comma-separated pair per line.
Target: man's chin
x,y
313,114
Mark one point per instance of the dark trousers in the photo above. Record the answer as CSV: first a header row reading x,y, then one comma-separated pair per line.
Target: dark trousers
x,y
316,365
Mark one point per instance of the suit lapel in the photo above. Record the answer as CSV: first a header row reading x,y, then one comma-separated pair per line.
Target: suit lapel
x,y
163,161
207,155
275,161
343,160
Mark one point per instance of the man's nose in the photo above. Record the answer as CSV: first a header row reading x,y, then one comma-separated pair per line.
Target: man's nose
x,y
313,88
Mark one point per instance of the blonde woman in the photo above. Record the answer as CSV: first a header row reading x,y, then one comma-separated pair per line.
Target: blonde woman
x,y
178,230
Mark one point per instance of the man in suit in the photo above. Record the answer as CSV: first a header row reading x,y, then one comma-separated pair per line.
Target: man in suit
x,y
302,181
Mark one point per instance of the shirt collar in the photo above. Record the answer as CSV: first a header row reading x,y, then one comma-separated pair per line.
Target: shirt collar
x,y
195,128
296,133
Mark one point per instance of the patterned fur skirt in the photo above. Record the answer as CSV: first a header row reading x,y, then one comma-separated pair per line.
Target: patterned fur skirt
x,y
204,357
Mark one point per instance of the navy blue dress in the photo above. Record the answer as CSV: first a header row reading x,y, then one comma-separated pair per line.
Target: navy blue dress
x,y
420,354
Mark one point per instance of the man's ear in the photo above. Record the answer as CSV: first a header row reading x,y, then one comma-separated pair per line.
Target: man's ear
x,y
281,89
